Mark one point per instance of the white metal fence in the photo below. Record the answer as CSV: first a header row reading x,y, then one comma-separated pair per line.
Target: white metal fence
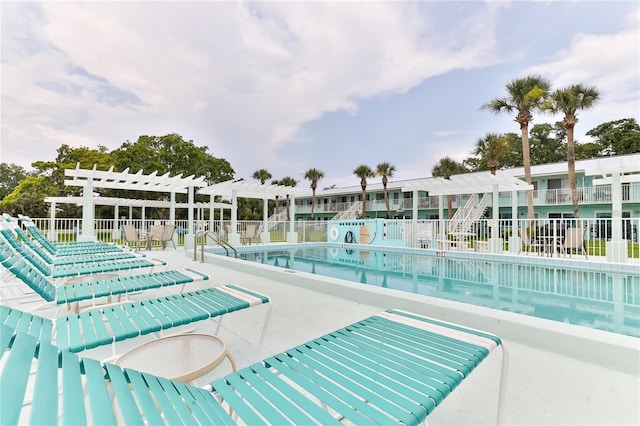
x,y
599,234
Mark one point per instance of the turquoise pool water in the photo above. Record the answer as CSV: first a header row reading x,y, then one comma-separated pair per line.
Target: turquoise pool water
x,y
594,299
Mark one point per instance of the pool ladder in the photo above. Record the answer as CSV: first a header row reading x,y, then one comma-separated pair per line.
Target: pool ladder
x,y
225,245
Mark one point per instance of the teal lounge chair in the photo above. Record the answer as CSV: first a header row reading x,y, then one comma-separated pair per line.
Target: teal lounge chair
x,y
107,325
395,367
17,236
72,270
62,249
91,290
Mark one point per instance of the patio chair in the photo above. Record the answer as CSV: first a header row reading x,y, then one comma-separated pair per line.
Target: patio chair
x,y
132,236
249,234
102,326
574,241
528,243
395,367
164,235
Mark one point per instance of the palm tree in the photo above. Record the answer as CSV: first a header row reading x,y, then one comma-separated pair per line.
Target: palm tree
x,y
385,170
569,100
288,181
262,175
445,168
314,176
491,149
363,172
524,95
276,182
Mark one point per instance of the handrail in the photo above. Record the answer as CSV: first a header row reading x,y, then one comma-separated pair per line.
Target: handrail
x,y
215,238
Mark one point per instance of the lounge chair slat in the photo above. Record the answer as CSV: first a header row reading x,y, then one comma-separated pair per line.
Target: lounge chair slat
x,y
123,395
73,407
240,406
295,414
362,382
312,409
14,377
165,403
44,409
260,402
352,408
98,393
147,403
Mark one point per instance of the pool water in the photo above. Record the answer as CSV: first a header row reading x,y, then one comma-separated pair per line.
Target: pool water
x,y
594,299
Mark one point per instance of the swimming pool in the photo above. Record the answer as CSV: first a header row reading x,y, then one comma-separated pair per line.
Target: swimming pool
x,y
581,296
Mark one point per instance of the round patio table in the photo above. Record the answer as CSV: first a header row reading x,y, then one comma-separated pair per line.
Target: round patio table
x,y
181,357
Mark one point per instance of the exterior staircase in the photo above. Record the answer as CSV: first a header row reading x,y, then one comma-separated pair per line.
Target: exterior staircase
x,y
351,213
470,214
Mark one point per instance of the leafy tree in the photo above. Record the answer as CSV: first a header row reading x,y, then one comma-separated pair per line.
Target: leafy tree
x,y
445,168
617,137
10,177
491,149
262,175
364,172
547,143
313,175
171,154
385,170
288,181
28,197
524,95
569,100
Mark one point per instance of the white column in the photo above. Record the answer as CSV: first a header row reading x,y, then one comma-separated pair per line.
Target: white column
x,y
292,236
515,242
495,242
115,233
88,233
234,237
266,235
414,221
441,229
52,235
617,247
172,209
189,235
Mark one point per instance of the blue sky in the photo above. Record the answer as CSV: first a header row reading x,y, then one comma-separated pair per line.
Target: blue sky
x,y
288,86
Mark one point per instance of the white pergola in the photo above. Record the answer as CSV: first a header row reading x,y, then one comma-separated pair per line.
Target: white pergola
x,y
89,179
244,189
476,183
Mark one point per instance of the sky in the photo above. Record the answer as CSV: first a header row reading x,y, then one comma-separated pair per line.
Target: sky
x,y
290,86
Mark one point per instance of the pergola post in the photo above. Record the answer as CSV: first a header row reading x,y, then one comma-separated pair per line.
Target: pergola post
x,y
52,235
189,235
266,235
234,237
88,213
515,241
292,236
495,242
617,247
115,232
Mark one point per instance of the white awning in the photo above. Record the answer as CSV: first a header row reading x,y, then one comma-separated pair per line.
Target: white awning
x,y
136,182
471,183
113,201
245,189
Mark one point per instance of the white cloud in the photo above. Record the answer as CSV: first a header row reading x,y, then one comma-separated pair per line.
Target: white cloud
x,y
240,77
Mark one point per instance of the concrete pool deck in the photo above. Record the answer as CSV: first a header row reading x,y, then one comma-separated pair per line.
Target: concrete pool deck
x,y
546,386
